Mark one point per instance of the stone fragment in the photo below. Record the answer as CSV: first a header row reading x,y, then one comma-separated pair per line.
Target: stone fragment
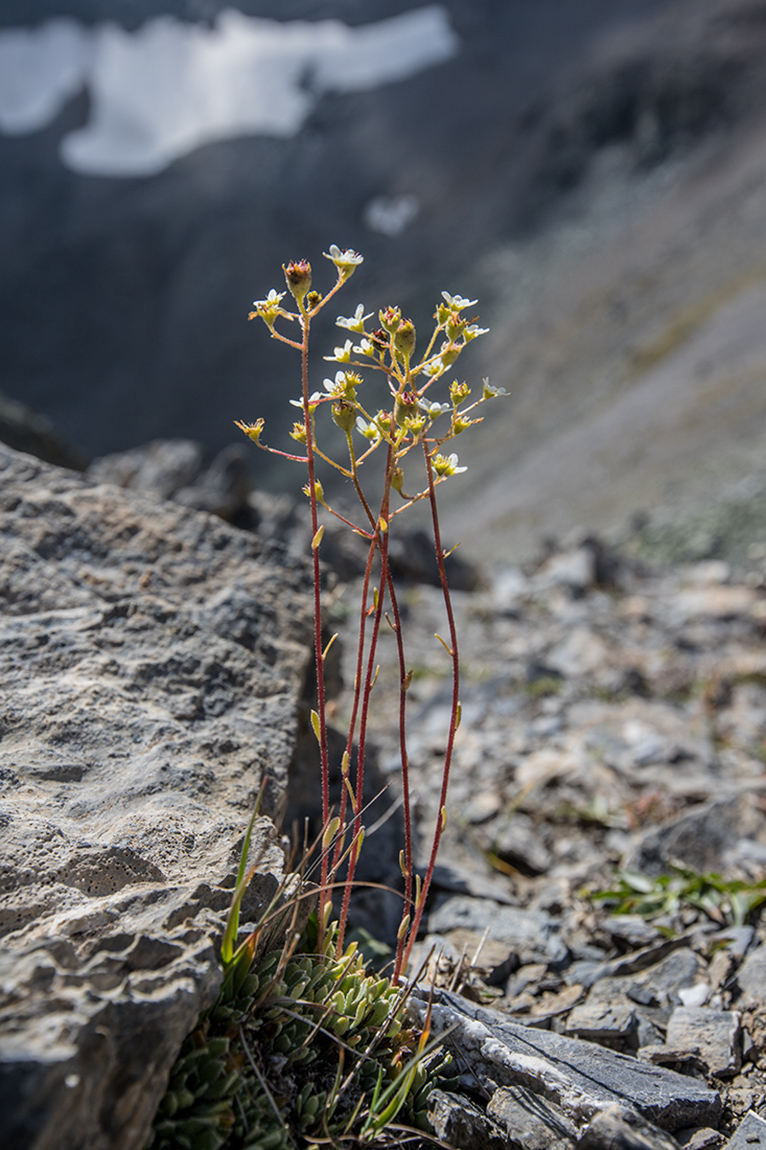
x,y
460,1122
574,569
751,977
516,841
640,960
702,1138
578,1077
683,1059
532,935
749,1135
551,1005
701,839
696,995
631,929
530,1121
619,1127
713,602
714,1033
507,591
580,653
612,1025
737,939
179,469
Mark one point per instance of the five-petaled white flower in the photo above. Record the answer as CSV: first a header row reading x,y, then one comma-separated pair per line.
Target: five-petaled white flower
x,y
313,398
432,408
490,391
357,320
272,300
364,348
447,465
342,354
336,387
345,261
473,330
456,302
368,430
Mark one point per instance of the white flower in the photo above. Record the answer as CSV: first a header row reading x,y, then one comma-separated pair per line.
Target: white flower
x,y
364,348
456,302
313,398
434,368
336,387
368,430
346,262
342,354
447,465
272,299
490,391
473,330
434,409
357,321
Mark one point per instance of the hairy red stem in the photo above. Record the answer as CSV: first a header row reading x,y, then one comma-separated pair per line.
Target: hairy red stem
x,y
321,695
415,924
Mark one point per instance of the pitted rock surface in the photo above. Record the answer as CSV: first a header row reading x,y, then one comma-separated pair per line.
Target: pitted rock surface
x,y
151,659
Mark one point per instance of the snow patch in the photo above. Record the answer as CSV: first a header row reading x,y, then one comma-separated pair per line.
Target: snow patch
x,y
170,87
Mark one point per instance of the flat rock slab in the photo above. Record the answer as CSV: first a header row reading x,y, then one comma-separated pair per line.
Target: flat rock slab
x,y
620,1128
151,659
580,1078
530,1122
751,977
716,1034
749,1135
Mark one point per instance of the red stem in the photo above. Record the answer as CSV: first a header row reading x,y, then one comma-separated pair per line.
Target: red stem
x,y
415,924
357,691
321,696
381,538
405,771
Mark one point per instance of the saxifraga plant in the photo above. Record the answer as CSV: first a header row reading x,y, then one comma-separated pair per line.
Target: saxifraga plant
x,y
406,426
303,1046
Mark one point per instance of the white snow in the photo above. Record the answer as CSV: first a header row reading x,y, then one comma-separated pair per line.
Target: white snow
x,y
170,87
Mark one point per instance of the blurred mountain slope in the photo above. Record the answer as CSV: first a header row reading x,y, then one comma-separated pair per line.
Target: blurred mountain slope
x,y
633,333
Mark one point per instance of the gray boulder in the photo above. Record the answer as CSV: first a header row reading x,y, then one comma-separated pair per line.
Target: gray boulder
x,y
151,659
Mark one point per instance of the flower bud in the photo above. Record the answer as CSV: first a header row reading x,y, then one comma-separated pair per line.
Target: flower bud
x,y
448,353
405,407
298,278
380,340
455,326
390,319
404,339
343,415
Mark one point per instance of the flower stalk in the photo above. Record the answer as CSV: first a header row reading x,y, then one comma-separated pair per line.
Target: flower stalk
x,y
413,423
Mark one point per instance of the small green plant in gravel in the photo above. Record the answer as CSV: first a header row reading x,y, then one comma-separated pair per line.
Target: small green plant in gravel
x,y
726,901
301,1049
302,1046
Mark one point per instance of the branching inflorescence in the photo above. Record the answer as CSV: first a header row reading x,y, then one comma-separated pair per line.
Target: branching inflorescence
x,y
414,426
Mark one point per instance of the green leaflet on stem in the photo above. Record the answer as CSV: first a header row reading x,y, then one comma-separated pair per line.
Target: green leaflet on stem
x,y
243,878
